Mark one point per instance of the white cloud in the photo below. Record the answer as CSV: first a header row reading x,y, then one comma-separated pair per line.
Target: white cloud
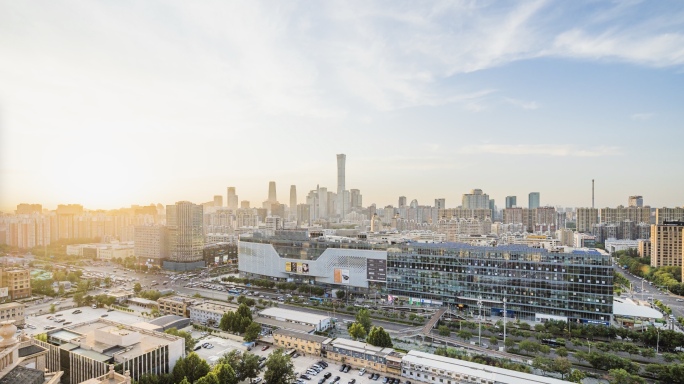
x,y
641,116
541,150
529,105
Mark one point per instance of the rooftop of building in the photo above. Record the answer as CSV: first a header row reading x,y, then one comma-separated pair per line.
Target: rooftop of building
x,y
11,304
267,321
627,307
214,306
358,346
494,374
287,314
178,299
23,375
139,300
300,335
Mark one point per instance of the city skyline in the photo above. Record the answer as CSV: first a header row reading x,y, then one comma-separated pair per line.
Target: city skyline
x,y
108,105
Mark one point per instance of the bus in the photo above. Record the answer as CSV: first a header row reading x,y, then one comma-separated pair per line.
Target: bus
x,y
316,300
234,291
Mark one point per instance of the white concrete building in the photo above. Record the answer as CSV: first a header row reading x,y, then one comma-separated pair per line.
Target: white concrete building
x,y
318,322
209,312
428,368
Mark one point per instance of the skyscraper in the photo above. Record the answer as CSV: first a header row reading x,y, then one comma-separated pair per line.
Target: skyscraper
x,y
476,199
511,201
402,201
533,200
185,236
356,199
272,192
636,201
218,201
232,198
440,203
293,202
341,206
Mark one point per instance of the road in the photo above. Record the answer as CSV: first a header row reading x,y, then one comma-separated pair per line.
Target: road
x,y
649,291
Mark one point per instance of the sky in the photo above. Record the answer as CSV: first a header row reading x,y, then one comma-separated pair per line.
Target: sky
x,y
113,103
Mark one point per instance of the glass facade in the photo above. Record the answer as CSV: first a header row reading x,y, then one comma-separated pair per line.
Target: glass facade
x,y
576,285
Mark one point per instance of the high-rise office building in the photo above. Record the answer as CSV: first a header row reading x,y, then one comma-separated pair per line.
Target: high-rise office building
x,y
636,201
533,200
476,199
440,203
293,202
666,244
186,236
511,201
151,242
272,192
356,198
402,201
342,207
322,203
231,198
218,201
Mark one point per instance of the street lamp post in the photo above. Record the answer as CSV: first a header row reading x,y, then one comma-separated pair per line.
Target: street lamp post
x,y
479,321
657,340
505,315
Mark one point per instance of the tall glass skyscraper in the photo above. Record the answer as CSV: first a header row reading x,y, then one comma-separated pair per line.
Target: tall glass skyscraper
x,y
185,235
534,199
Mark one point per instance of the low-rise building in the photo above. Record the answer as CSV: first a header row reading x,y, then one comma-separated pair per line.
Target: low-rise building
x,y
209,312
17,281
84,351
303,343
318,322
13,311
121,297
434,369
362,355
174,305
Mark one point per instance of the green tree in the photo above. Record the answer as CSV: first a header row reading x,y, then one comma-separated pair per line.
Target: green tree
x,y
542,363
465,335
192,367
562,352
189,341
53,309
576,376
444,330
185,381
245,365
252,331
60,290
528,346
79,299
509,343
339,294
379,337
279,369
108,281
363,318
209,378
137,288
225,374
493,340
621,376
562,366
356,331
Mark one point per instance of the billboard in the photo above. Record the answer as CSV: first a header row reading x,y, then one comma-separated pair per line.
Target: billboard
x,y
341,276
294,267
376,269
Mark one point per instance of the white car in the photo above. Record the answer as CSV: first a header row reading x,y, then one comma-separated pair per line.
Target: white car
x,y
362,371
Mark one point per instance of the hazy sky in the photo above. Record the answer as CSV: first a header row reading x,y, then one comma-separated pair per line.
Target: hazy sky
x,y
113,103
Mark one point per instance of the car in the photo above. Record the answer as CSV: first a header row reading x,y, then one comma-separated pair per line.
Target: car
x,y
679,300
67,323
59,314
347,368
385,380
257,380
265,347
362,371
323,364
198,347
321,381
205,344
31,326
407,382
336,379
262,358
104,315
210,346
76,312
296,355
327,375
352,381
110,310
343,367
376,377
305,377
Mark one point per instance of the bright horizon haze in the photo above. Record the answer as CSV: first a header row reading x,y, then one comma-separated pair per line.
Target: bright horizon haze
x,y
109,104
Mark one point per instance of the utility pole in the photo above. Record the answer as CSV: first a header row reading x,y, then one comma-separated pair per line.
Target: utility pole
x,y
505,315
479,321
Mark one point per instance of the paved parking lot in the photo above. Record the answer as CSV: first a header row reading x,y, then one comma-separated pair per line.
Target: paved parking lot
x,y
88,313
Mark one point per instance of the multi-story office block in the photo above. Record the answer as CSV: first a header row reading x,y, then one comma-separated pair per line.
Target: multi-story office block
x,y
635,201
151,242
17,281
537,284
669,214
402,201
666,244
356,198
476,199
186,236
587,218
511,201
231,198
534,200
304,214
174,305
13,311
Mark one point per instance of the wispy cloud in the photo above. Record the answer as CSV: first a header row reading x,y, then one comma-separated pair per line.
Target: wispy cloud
x,y
641,116
541,150
529,105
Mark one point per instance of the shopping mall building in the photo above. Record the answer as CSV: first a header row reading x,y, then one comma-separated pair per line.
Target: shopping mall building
x,y
537,284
